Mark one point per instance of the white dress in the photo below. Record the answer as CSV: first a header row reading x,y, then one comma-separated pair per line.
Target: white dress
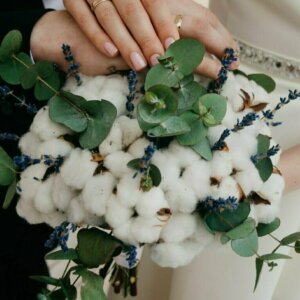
x,y
218,273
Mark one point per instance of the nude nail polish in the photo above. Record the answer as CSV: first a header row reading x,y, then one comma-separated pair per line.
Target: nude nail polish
x,y
153,59
137,61
169,41
110,48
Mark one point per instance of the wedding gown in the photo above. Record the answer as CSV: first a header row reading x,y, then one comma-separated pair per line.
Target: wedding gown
x,y
265,28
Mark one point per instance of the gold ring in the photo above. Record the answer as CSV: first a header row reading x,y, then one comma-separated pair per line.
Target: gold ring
x,y
95,3
178,21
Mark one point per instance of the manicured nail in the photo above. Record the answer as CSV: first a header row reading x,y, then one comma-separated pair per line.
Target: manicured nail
x,y
110,48
154,60
235,65
137,61
169,41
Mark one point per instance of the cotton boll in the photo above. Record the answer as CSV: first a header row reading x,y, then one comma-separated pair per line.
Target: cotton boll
x,y
230,118
78,168
46,129
179,228
123,233
54,219
131,130
31,180
96,193
202,236
249,179
221,164
29,144
265,130
197,177
151,202
228,187
181,197
214,133
260,94
138,147
25,209
146,230
117,214
54,147
252,213
113,141
43,199
76,212
62,193
266,213
273,188
185,155
128,190
92,219
117,162
168,166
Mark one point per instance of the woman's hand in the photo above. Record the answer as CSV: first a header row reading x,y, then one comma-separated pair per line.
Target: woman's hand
x,y
139,29
58,27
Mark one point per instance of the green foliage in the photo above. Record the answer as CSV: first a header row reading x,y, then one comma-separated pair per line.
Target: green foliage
x,y
263,144
203,148
10,45
46,279
259,266
291,238
264,229
7,171
242,231
246,246
264,81
265,168
71,254
10,193
96,247
297,247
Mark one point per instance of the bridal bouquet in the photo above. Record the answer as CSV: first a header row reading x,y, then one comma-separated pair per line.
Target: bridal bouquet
x,y
168,161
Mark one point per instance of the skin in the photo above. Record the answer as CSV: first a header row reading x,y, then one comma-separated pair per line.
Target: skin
x,y
147,27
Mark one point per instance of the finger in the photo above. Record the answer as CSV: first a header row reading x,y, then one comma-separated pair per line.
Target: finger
x,y
138,22
112,23
89,25
209,67
162,20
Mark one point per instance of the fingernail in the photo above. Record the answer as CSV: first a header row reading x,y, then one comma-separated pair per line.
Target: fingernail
x,y
234,65
154,60
110,48
169,41
137,61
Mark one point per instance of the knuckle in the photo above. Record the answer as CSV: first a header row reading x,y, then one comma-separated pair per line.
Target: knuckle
x,y
147,42
131,8
105,13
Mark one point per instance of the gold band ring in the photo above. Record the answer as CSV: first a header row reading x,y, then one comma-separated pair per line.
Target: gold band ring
x,y
95,3
178,21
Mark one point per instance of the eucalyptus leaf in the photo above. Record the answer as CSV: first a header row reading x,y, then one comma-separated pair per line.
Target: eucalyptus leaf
x,y
7,171
224,239
264,229
96,247
102,115
247,246
291,238
70,254
274,256
29,77
263,144
134,164
92,286
297,247
47,87
10,193
227,219
68,289
265,168
259,266
203,148
155,175
12,41
46,279
172,127
264,81
243,230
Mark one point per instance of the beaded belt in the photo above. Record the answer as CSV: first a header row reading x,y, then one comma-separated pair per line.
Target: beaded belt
x,y
278,65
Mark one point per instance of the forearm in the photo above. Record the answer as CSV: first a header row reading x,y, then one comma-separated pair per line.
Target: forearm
x,y
290,168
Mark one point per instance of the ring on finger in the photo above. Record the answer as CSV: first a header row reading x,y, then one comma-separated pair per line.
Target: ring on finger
x,y
178,21
95,3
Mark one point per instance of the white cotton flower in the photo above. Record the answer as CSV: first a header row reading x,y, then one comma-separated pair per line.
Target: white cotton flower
x,y
78,168
26,210
181,197
131,130
214,133
54,147
151,202
29,144
265,130
54,219
260,94
179,228
30,180
174,255
96,193
117,162
117,214
197,177
252,213
272,189
221,164
113,142
201,235
146,230
76,212
230,118
43,199
185,155
128,189
266,213
138,147
249,179
227,187
123,233
168,166
62,193
46,129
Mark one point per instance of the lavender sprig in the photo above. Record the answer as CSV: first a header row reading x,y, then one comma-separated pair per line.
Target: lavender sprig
x,y
132,82
271,152
247,120
131,256
220,144
6,136
219,204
